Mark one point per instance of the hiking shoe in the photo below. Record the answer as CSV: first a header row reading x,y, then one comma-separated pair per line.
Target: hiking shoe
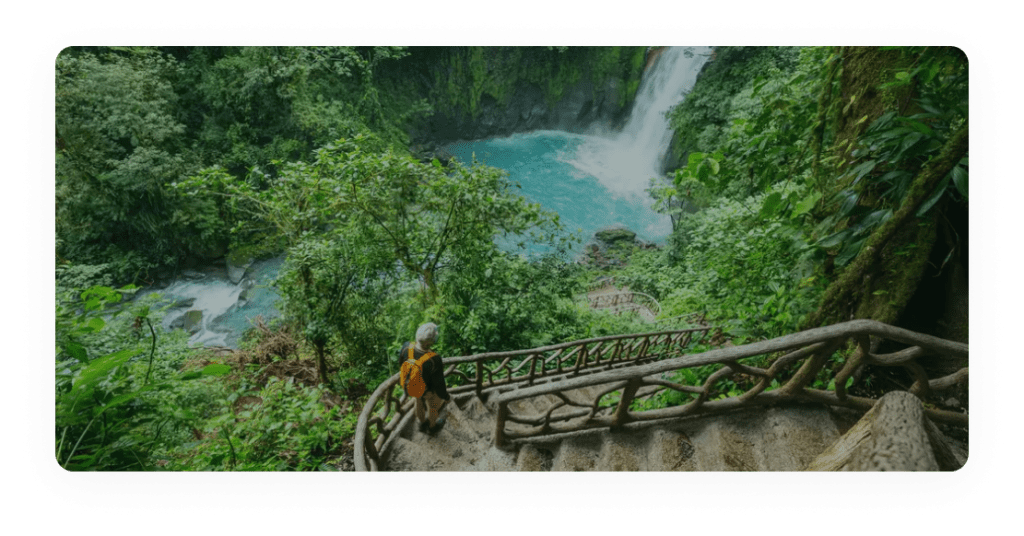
x,y
424,426
437,427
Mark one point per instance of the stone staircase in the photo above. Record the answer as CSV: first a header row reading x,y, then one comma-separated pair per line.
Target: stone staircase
x,y
785,438
582,406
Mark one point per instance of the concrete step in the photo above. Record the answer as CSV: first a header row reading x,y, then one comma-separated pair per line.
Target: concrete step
x,y
578,454
794,436
495,459
534,458
758,439
623,451
473,417
669,450
420,455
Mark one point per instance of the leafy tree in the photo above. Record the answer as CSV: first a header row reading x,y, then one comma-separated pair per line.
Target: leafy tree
x,y
423,216
360,220
501,301
254,105
334,288
701,119
118,144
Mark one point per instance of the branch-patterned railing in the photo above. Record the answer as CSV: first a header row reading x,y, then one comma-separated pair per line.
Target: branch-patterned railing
x,y
601,283
625,301
388,408
566,412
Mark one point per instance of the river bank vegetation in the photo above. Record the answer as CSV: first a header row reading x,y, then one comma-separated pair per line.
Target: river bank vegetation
x,y
810,185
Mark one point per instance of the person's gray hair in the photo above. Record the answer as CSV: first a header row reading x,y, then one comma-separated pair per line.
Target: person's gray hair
x,y
426,335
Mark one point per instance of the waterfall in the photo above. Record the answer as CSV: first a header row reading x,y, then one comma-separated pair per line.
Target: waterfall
x,y
625,162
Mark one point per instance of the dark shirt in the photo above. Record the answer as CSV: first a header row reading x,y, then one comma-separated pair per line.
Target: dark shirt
x,y
433,370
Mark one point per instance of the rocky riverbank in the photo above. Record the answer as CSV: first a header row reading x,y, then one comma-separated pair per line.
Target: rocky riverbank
x,y
611,246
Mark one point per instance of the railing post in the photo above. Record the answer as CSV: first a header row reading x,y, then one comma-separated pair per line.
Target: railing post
x,y
480,380
581,358
371,450
643,348
622,410
499,425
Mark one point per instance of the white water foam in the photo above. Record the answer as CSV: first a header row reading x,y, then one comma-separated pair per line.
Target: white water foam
x,y
625,162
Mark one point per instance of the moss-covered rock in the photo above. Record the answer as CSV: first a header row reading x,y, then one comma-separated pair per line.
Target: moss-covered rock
x,y
615,235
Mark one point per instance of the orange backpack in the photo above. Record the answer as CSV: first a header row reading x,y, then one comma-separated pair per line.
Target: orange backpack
x,y
410,377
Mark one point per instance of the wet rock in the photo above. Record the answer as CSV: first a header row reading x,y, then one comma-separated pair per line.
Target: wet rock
x,y
182,303
615,235
243,296
237,266
193,321
192,274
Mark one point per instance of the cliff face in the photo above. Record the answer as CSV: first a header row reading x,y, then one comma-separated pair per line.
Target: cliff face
x,y
482,92
585,104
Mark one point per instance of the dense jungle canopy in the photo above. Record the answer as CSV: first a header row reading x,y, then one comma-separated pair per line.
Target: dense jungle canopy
x,y
805,186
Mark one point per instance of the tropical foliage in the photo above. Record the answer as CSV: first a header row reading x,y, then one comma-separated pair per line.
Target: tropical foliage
x,y
814,184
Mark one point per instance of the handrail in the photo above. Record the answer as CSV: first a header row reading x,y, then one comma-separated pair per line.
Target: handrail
x,y
388,408
632,367
601,283
814,347
617,299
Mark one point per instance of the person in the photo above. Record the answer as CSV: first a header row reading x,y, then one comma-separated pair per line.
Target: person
x,y
428,406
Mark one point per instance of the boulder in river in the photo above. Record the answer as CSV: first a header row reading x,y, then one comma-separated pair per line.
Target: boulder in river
x,y
192,275
182,303
615,235
237,265
193,320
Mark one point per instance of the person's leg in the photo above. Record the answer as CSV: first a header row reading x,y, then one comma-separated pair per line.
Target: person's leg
x,y
434,403
421,410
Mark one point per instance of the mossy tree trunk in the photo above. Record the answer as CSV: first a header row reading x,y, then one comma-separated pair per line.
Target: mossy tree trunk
x,y
881,280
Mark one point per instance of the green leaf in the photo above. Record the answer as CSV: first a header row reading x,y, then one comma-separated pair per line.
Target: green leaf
x,y
849,252
835,239
703,172
863,169
757,84
873,220
771,205
714,165
216,369
930,202
921,127
95,324
99,368
76,351
806,204
960,180
121,399
849,202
